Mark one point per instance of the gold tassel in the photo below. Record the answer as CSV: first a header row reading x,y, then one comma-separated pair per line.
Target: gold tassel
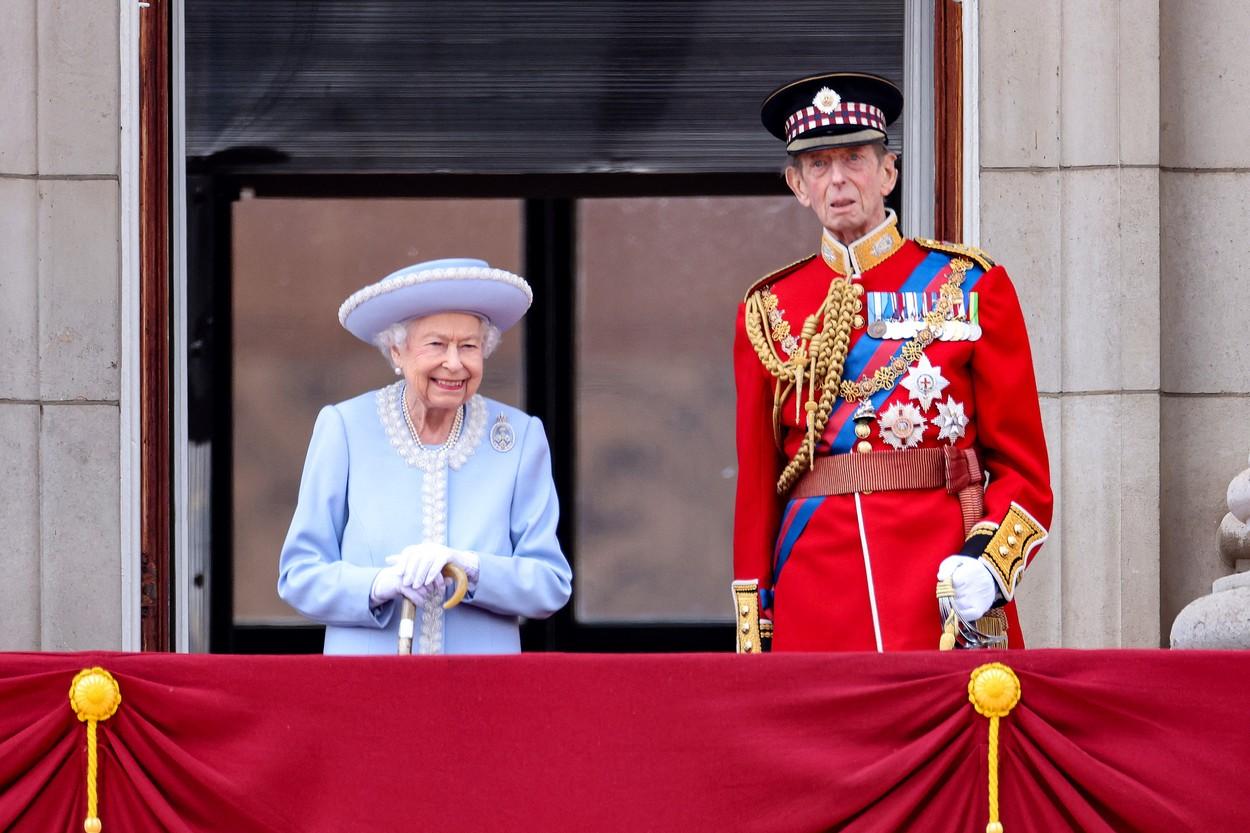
x,y
94,696
993,690
798,388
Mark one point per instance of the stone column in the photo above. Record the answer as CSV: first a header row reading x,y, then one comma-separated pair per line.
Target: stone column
x,y
59,324
1069,126
1205,92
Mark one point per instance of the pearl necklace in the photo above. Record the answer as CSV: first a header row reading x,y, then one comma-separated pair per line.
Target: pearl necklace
x,y
452,436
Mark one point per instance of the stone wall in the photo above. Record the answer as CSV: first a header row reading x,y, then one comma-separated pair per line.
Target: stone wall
x,y
1205,217
1069,115
59,326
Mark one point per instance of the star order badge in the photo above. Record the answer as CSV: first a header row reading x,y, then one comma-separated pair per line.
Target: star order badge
x,y
502,437
951,420
902,426
924,382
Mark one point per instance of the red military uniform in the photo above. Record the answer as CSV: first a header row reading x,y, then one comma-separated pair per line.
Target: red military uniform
x,y
853,567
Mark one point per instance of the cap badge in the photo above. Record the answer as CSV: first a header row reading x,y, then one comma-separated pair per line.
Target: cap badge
x,y
826,101
502,437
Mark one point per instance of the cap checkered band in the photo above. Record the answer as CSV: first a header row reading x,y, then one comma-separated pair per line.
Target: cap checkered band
x,y
848,112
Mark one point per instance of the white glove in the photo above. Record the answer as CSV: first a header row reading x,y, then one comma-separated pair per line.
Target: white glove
x,y
389,584
423,565
975,588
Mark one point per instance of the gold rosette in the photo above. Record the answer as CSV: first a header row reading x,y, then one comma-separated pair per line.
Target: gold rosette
x,y
94,696
993,690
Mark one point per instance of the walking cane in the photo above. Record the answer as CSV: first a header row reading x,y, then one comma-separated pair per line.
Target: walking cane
x,y
408,613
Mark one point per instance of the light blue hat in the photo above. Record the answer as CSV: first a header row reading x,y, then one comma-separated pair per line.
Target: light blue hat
x,y
448,285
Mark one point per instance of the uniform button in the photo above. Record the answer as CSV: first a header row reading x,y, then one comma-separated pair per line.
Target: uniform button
x,y
747,644
1019,529
1011,540
746,627
863,446
744,610
1003,550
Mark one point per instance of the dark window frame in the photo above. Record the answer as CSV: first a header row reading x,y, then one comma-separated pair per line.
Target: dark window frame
x,y
214,183
550,247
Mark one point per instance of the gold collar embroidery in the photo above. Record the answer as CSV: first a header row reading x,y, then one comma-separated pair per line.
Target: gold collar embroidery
x,y
863,254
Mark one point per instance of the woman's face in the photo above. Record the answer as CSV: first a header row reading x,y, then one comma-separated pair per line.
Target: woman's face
x,y
442,359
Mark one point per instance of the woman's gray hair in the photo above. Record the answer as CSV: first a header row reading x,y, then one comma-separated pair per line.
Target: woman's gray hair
x,y
396,335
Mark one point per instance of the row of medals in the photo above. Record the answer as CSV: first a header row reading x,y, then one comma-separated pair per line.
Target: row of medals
x,y
952,330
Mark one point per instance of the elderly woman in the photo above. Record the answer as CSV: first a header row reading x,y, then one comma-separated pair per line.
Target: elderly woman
x,y
424,476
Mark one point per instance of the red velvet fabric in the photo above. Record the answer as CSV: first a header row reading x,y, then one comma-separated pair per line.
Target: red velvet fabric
x,y
1101,741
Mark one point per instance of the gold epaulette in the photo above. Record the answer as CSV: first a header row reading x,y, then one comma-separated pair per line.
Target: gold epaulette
x,y
780,273
983,260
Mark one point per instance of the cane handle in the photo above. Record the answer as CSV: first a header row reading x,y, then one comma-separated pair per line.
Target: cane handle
x,y
461,579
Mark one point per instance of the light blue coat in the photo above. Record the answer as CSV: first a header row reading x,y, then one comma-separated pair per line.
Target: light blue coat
x,y
361,499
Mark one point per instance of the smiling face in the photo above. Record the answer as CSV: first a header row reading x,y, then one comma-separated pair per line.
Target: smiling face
x,y
844,187
441,360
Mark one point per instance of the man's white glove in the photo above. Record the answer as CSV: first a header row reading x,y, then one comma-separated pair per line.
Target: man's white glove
x,y
423,566
974,585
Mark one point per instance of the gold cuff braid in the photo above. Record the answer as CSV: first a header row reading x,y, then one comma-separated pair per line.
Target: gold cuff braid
x,y
750,630
1008,550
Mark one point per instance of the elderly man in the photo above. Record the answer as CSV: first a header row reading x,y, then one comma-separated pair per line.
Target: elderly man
x,y
882,384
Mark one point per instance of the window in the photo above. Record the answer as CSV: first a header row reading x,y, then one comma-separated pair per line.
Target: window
x,y
609,151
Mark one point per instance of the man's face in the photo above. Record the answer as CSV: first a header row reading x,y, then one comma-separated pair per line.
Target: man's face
x,y
845,187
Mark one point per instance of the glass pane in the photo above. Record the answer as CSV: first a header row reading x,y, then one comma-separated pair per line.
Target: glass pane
x,y
295,261
658,286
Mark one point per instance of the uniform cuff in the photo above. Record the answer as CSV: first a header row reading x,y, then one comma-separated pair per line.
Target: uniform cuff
x,y
1005,548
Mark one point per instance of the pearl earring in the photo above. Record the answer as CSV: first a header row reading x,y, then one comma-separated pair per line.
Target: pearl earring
x,y
398,371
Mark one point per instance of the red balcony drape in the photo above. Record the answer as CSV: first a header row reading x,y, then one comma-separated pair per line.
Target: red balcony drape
x,y
1100,741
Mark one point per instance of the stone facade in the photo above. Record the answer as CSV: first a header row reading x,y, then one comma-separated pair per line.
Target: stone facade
x,y
1113,182
1113,185
1205,214
1069,153
59,326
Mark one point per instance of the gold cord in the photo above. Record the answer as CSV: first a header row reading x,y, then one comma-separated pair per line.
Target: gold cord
x,y
94,696
827,351
820,358
994,825
994,690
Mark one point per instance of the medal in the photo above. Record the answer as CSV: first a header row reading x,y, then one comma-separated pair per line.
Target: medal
x,y
951,420
876,314
863,417
902,426
924,382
